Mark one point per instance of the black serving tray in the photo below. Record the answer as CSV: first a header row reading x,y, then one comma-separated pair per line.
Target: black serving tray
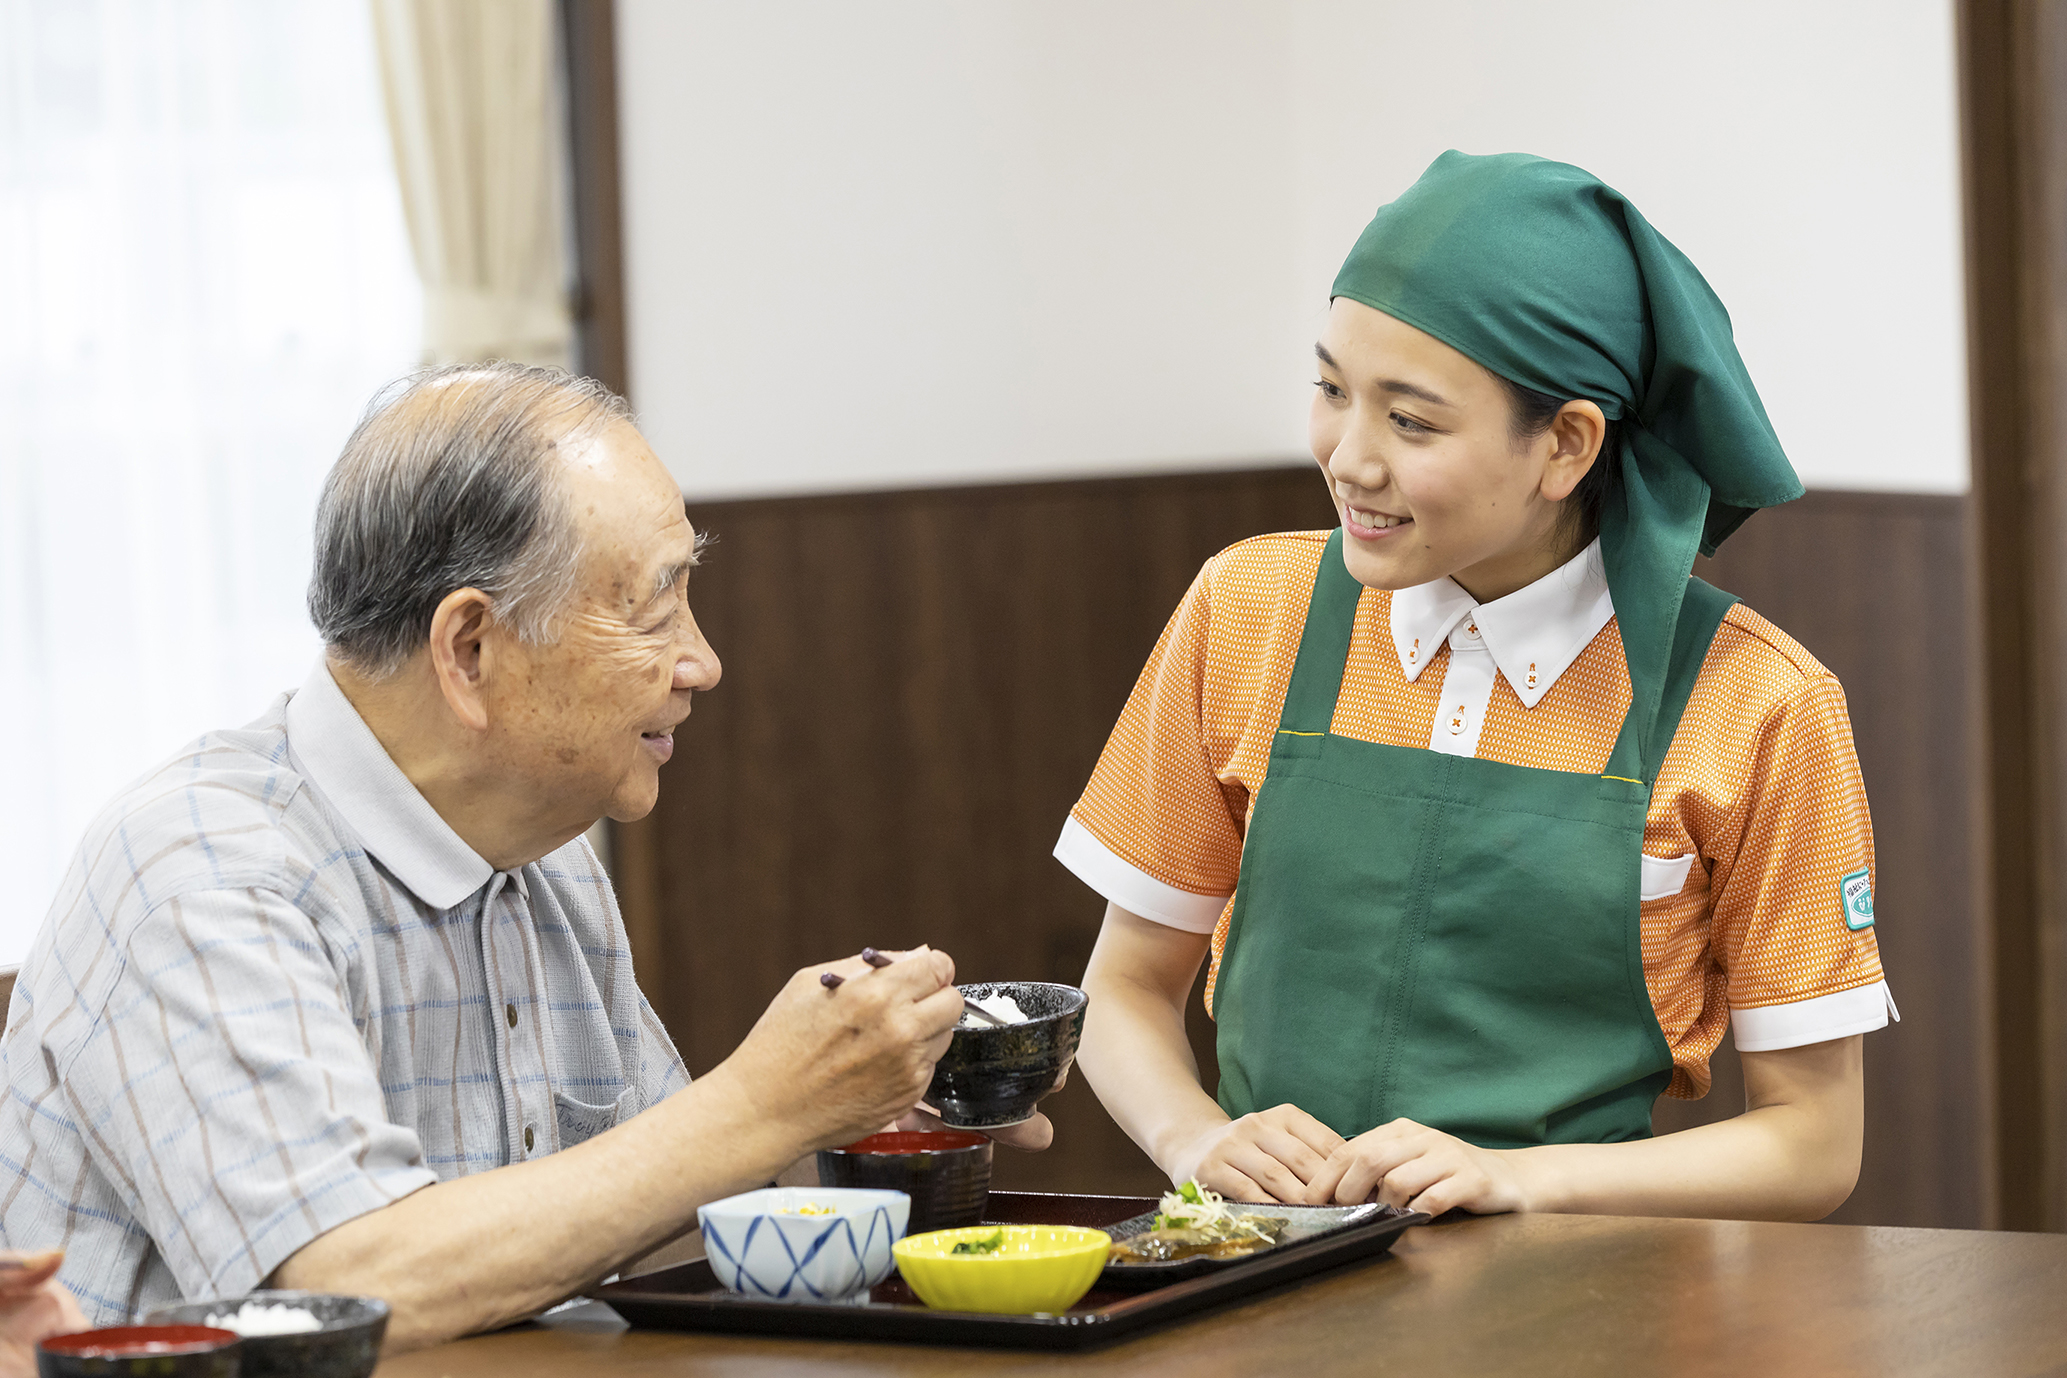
x,y
689,1297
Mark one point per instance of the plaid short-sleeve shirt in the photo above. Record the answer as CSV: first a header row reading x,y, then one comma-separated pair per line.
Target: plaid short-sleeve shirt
x,y
277,991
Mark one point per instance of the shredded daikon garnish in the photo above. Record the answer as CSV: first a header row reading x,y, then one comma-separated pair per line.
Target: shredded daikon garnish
x,y
1193,1207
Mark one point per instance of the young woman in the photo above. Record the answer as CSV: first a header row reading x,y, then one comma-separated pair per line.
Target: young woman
x,y
1489,816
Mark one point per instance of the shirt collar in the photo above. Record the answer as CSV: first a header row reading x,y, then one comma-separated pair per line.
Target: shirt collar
x,y
1534,633
337,752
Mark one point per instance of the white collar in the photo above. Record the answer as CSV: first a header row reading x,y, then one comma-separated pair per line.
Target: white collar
x,y
1534,633
337,752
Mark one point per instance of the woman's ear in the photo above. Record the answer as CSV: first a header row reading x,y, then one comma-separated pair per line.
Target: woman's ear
x,y
1574,436
459,629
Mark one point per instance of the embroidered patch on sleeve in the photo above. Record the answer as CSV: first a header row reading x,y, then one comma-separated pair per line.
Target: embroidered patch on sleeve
x,y
1855,896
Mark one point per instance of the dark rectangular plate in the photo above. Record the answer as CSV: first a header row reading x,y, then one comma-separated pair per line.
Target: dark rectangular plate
x,y
689,1297
1303,1224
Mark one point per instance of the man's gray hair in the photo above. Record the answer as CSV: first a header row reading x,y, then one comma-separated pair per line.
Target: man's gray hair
x,y
449,482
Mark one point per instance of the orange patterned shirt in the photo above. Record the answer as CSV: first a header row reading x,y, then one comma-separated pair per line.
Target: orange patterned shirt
x,y
1760,789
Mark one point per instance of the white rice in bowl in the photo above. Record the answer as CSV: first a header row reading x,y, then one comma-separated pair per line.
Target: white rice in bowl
x,y
266,1318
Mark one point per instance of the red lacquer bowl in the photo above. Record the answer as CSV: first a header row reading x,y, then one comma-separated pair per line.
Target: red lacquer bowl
x,y
946,1174
174,1351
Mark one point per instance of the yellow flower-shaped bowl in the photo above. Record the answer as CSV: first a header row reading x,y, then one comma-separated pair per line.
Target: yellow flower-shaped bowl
x,y
1037,1268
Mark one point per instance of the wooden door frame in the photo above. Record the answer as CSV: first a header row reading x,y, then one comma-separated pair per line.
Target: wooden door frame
x,y
588,32
588,35
2013,117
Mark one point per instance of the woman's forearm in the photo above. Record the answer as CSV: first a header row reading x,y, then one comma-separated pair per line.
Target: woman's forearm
x,y
1139,1062
1792,1155
1135,1052
1762,1165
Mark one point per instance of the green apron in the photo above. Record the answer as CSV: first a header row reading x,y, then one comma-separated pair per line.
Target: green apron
x,y
1440,938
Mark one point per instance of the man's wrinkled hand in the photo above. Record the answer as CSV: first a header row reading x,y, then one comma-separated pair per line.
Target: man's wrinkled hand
x,y
1029,1136
840,1062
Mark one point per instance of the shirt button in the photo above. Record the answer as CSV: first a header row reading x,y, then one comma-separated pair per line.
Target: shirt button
x,y
527,1138
1457,722
510,1012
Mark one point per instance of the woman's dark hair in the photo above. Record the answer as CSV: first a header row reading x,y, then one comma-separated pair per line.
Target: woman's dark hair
x,y
1532,412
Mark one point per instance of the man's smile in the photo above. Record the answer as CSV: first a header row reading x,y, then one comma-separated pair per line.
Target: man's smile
x,y
661,740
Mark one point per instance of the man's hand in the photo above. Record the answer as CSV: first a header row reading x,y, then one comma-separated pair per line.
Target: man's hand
x,y
823,1066
841,1062
1271,1155
1408,1164
33,1306
1028,1136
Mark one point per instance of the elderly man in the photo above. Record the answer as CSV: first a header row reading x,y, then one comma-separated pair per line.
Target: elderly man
x,y
341,1000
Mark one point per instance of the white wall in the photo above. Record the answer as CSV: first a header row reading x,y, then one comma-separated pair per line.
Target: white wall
x,y
951,241
1804,153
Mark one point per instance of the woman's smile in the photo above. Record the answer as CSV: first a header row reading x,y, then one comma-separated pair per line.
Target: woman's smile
x,y
1366,525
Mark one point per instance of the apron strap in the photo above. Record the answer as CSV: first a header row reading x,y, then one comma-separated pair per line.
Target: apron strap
x,y
1701,612
1324,655
1323,652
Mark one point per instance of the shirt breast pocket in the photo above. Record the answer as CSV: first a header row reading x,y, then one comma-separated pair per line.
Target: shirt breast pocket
x,y
1663,876
581,1121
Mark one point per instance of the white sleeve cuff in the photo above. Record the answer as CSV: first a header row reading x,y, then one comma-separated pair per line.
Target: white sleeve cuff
x,y
1799,1023
1131,888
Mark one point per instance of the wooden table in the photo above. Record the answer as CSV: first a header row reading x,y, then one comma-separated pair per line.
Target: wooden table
x,y
1535,1295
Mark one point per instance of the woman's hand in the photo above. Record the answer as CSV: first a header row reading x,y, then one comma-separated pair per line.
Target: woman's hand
x,y
33,1305
1408,1164
1792,1155
1280,1154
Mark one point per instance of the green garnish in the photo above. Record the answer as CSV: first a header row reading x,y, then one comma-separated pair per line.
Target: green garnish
x,y
1187,1194
989,1244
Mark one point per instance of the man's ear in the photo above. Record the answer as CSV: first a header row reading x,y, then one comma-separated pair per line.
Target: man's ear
x,y
459,654
1574,438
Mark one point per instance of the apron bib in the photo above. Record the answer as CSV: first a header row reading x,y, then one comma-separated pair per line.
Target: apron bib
x,y
1441,938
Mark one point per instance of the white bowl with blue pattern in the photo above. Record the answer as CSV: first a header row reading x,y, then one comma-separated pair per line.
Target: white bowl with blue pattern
x,y
760,1244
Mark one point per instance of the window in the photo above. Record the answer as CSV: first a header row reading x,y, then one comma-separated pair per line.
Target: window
x,y
204,275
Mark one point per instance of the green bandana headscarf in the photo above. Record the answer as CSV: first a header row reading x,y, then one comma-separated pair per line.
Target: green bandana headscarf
x,y
1551,279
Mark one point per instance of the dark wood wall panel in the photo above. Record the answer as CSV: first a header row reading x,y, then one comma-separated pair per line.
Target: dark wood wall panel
x,y
917,685
916,688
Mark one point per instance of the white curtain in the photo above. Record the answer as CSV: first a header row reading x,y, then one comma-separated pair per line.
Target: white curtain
x,y
474,111
204,275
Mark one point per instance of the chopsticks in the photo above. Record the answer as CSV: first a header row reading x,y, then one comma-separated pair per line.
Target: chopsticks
x,y
832,980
